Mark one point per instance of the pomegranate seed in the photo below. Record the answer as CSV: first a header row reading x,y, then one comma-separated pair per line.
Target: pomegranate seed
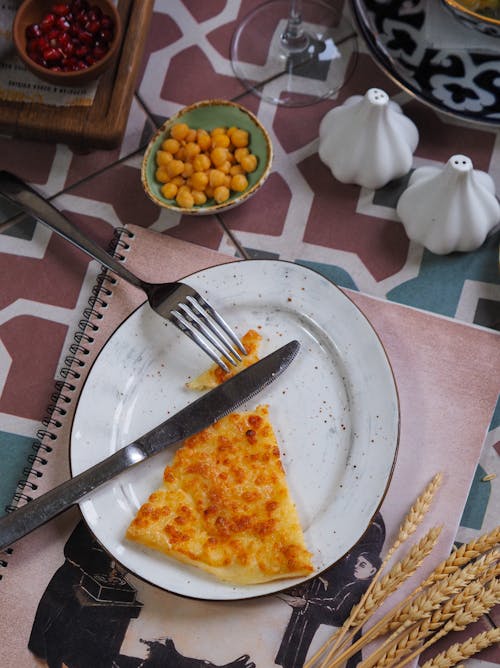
x,y
107,22
93,27
81,51
42,43
47,22
100,51
106,36
51,54
86,37
79,5
63,24
33,30
60,9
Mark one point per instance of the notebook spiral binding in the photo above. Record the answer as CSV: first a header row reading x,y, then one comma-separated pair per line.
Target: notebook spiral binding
x,y
74,362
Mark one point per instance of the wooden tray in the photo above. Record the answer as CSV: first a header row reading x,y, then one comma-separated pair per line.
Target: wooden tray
x,y
103,124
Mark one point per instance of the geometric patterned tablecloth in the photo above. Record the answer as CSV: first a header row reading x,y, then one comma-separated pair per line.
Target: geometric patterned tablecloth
x,y
350,234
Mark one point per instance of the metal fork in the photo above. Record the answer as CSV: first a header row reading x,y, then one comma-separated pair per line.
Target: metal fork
x,y
176,302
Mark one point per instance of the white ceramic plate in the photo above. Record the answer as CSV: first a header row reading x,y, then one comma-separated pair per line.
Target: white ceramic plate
x,y
335,412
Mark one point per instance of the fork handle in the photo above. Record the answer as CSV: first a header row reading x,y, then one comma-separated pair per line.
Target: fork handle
x,y
30,201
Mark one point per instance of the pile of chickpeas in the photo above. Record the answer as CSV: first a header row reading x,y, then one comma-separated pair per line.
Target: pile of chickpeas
x,y
194,166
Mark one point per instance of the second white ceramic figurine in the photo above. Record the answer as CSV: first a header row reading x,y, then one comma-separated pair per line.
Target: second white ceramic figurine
x,y
367,140
450,208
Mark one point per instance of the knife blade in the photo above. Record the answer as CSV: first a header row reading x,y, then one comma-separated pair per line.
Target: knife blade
x,y
196,416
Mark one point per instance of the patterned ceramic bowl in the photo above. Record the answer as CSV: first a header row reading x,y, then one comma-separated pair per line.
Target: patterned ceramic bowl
x,y
470,14
206,115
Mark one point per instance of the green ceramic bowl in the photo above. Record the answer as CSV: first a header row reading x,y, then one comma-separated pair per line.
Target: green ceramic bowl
x,y
208,115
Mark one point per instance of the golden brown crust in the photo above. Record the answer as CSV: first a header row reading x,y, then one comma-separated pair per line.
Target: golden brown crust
x,y
215,375
225,506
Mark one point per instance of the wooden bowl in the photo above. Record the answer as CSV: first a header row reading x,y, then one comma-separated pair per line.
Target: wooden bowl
x,y
207,115
32,11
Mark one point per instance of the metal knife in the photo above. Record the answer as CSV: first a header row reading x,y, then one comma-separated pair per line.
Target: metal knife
x,y
198,415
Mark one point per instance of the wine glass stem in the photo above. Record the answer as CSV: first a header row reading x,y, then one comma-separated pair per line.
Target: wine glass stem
x,y
294,38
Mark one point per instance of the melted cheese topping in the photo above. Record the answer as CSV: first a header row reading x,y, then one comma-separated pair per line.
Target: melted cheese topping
x,y
225,506
215,375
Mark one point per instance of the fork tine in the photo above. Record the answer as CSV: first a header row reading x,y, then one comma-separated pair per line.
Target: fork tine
x,y
188,328
200,322
220,321
200,313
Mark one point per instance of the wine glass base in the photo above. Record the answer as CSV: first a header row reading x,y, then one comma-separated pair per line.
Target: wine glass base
x,y
299,73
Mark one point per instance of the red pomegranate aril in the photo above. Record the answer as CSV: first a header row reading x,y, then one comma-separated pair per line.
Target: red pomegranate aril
x,y
60,9
42,43
86,37
99,52
33,30
62,23
81,51
92,27
47,22
51,54
107,22
79,5
81,18
105,36
64,39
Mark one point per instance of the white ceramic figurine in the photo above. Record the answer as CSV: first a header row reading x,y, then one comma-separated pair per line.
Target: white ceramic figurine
x,y
450,208
367,140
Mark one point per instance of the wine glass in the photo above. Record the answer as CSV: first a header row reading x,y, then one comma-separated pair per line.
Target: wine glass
x,y
294,52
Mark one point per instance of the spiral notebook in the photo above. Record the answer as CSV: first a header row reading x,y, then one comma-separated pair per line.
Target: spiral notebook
x,y
71,602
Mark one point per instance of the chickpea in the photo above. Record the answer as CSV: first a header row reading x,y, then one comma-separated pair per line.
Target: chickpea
x,y
240,153
199,180
174,168
199,197
188,170
201,163
220,140
171,145
204,140
179,131
239,138
162,175
162,157
219,155
216,177
239,183
184,198
192,149
249,163
221,194
169,190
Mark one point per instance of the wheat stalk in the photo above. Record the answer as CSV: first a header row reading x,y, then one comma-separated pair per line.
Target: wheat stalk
x,y
424,614
475,607
462,651
398,574
463,555
464,608
416,514
441,590
409,525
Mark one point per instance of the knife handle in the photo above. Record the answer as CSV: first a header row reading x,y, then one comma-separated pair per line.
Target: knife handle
x,y
22,521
